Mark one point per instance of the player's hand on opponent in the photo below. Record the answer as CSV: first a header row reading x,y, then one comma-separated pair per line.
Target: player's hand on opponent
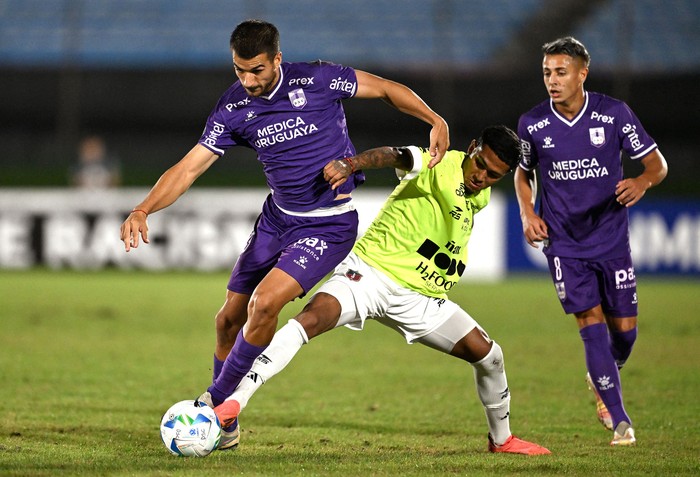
x,y
535,230
439,142
337,172
134,225
629,191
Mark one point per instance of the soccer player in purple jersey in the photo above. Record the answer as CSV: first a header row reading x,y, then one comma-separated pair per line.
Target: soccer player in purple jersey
x,y
291,114
577,138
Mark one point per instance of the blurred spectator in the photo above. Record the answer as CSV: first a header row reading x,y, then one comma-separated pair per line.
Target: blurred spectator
x,y
96,168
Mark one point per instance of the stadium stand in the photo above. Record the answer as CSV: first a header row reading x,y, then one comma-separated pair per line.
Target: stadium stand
x,y
374,33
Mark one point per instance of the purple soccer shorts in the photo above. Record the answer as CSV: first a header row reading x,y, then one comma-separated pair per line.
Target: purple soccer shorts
x,y
307,248
584,284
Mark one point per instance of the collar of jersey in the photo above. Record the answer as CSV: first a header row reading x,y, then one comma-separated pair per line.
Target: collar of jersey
x,y
578,116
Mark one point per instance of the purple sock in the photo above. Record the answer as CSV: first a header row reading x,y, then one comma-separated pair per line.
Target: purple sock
x,y
237,364
218,364
603,370
621,345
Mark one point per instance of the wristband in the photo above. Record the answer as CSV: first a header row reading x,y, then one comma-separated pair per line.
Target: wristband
x,y
139,210
352,165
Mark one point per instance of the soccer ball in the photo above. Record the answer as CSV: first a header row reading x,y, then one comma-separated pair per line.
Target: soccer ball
x,y
189,430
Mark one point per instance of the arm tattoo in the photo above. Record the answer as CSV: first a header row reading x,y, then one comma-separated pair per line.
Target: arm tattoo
x,y
380,157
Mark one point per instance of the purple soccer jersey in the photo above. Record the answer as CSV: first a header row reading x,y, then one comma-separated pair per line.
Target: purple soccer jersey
x,y
296,130
580,165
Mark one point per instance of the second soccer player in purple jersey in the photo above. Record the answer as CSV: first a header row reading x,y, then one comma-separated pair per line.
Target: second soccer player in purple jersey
x,y
291,114
576,139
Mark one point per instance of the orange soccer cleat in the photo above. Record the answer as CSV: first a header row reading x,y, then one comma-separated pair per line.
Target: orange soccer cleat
x,y
513,445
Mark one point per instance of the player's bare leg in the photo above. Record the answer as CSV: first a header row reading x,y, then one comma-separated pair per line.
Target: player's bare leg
x,y
229,321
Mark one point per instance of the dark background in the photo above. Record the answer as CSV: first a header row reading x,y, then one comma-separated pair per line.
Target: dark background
x,y
151,114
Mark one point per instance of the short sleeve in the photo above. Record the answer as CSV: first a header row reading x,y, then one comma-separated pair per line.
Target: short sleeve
x,y
340,81
528,159
635,140
417,156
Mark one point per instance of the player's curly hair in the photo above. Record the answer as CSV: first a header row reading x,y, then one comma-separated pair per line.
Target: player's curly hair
x,y
504,142
569,46
252,37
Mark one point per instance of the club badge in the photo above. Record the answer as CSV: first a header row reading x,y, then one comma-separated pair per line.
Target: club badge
x,y
561,290
297,98
597,136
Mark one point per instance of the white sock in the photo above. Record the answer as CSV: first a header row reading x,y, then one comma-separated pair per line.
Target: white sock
x,y
284,345
492,387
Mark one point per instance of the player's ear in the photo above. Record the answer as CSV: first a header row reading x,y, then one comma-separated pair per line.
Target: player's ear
x,y
472,146
277,59
583,74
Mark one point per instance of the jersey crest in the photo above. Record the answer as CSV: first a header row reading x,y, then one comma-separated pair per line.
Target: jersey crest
x,y
297,98
597,136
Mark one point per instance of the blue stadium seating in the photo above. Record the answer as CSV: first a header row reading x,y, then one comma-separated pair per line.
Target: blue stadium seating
x,y
414,34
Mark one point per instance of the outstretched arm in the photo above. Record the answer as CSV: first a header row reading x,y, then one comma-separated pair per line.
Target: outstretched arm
x,y
630,191
337,171
405,100
534,228
171,185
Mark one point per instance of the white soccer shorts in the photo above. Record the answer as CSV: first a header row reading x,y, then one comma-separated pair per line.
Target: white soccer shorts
x,y
366,293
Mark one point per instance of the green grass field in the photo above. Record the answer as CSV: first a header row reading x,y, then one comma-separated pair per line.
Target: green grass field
x,y
90,361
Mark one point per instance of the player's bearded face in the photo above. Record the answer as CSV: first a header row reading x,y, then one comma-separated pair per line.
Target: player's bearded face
x,y
258,75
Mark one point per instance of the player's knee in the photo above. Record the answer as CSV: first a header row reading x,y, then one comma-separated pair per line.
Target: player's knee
x,y
473,347
233,314
492,362
227,323
319,315
312,324
263,310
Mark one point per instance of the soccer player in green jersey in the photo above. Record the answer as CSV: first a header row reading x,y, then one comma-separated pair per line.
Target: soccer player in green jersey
x,y
400,271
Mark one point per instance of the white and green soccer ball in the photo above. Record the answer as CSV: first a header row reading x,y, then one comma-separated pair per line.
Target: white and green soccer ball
x,y
188,430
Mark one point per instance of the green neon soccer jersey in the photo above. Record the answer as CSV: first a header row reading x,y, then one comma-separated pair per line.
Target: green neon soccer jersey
x,y
419,237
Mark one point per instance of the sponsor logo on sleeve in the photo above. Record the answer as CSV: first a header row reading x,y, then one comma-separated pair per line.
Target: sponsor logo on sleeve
x,y
214,133
339,84
527,152
631,131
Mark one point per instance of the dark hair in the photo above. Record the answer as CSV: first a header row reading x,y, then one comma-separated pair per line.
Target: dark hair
x,y
504,142
252,37
569,46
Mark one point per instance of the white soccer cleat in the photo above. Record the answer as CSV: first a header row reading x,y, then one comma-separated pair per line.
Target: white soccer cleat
x,y
230,437
623,435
